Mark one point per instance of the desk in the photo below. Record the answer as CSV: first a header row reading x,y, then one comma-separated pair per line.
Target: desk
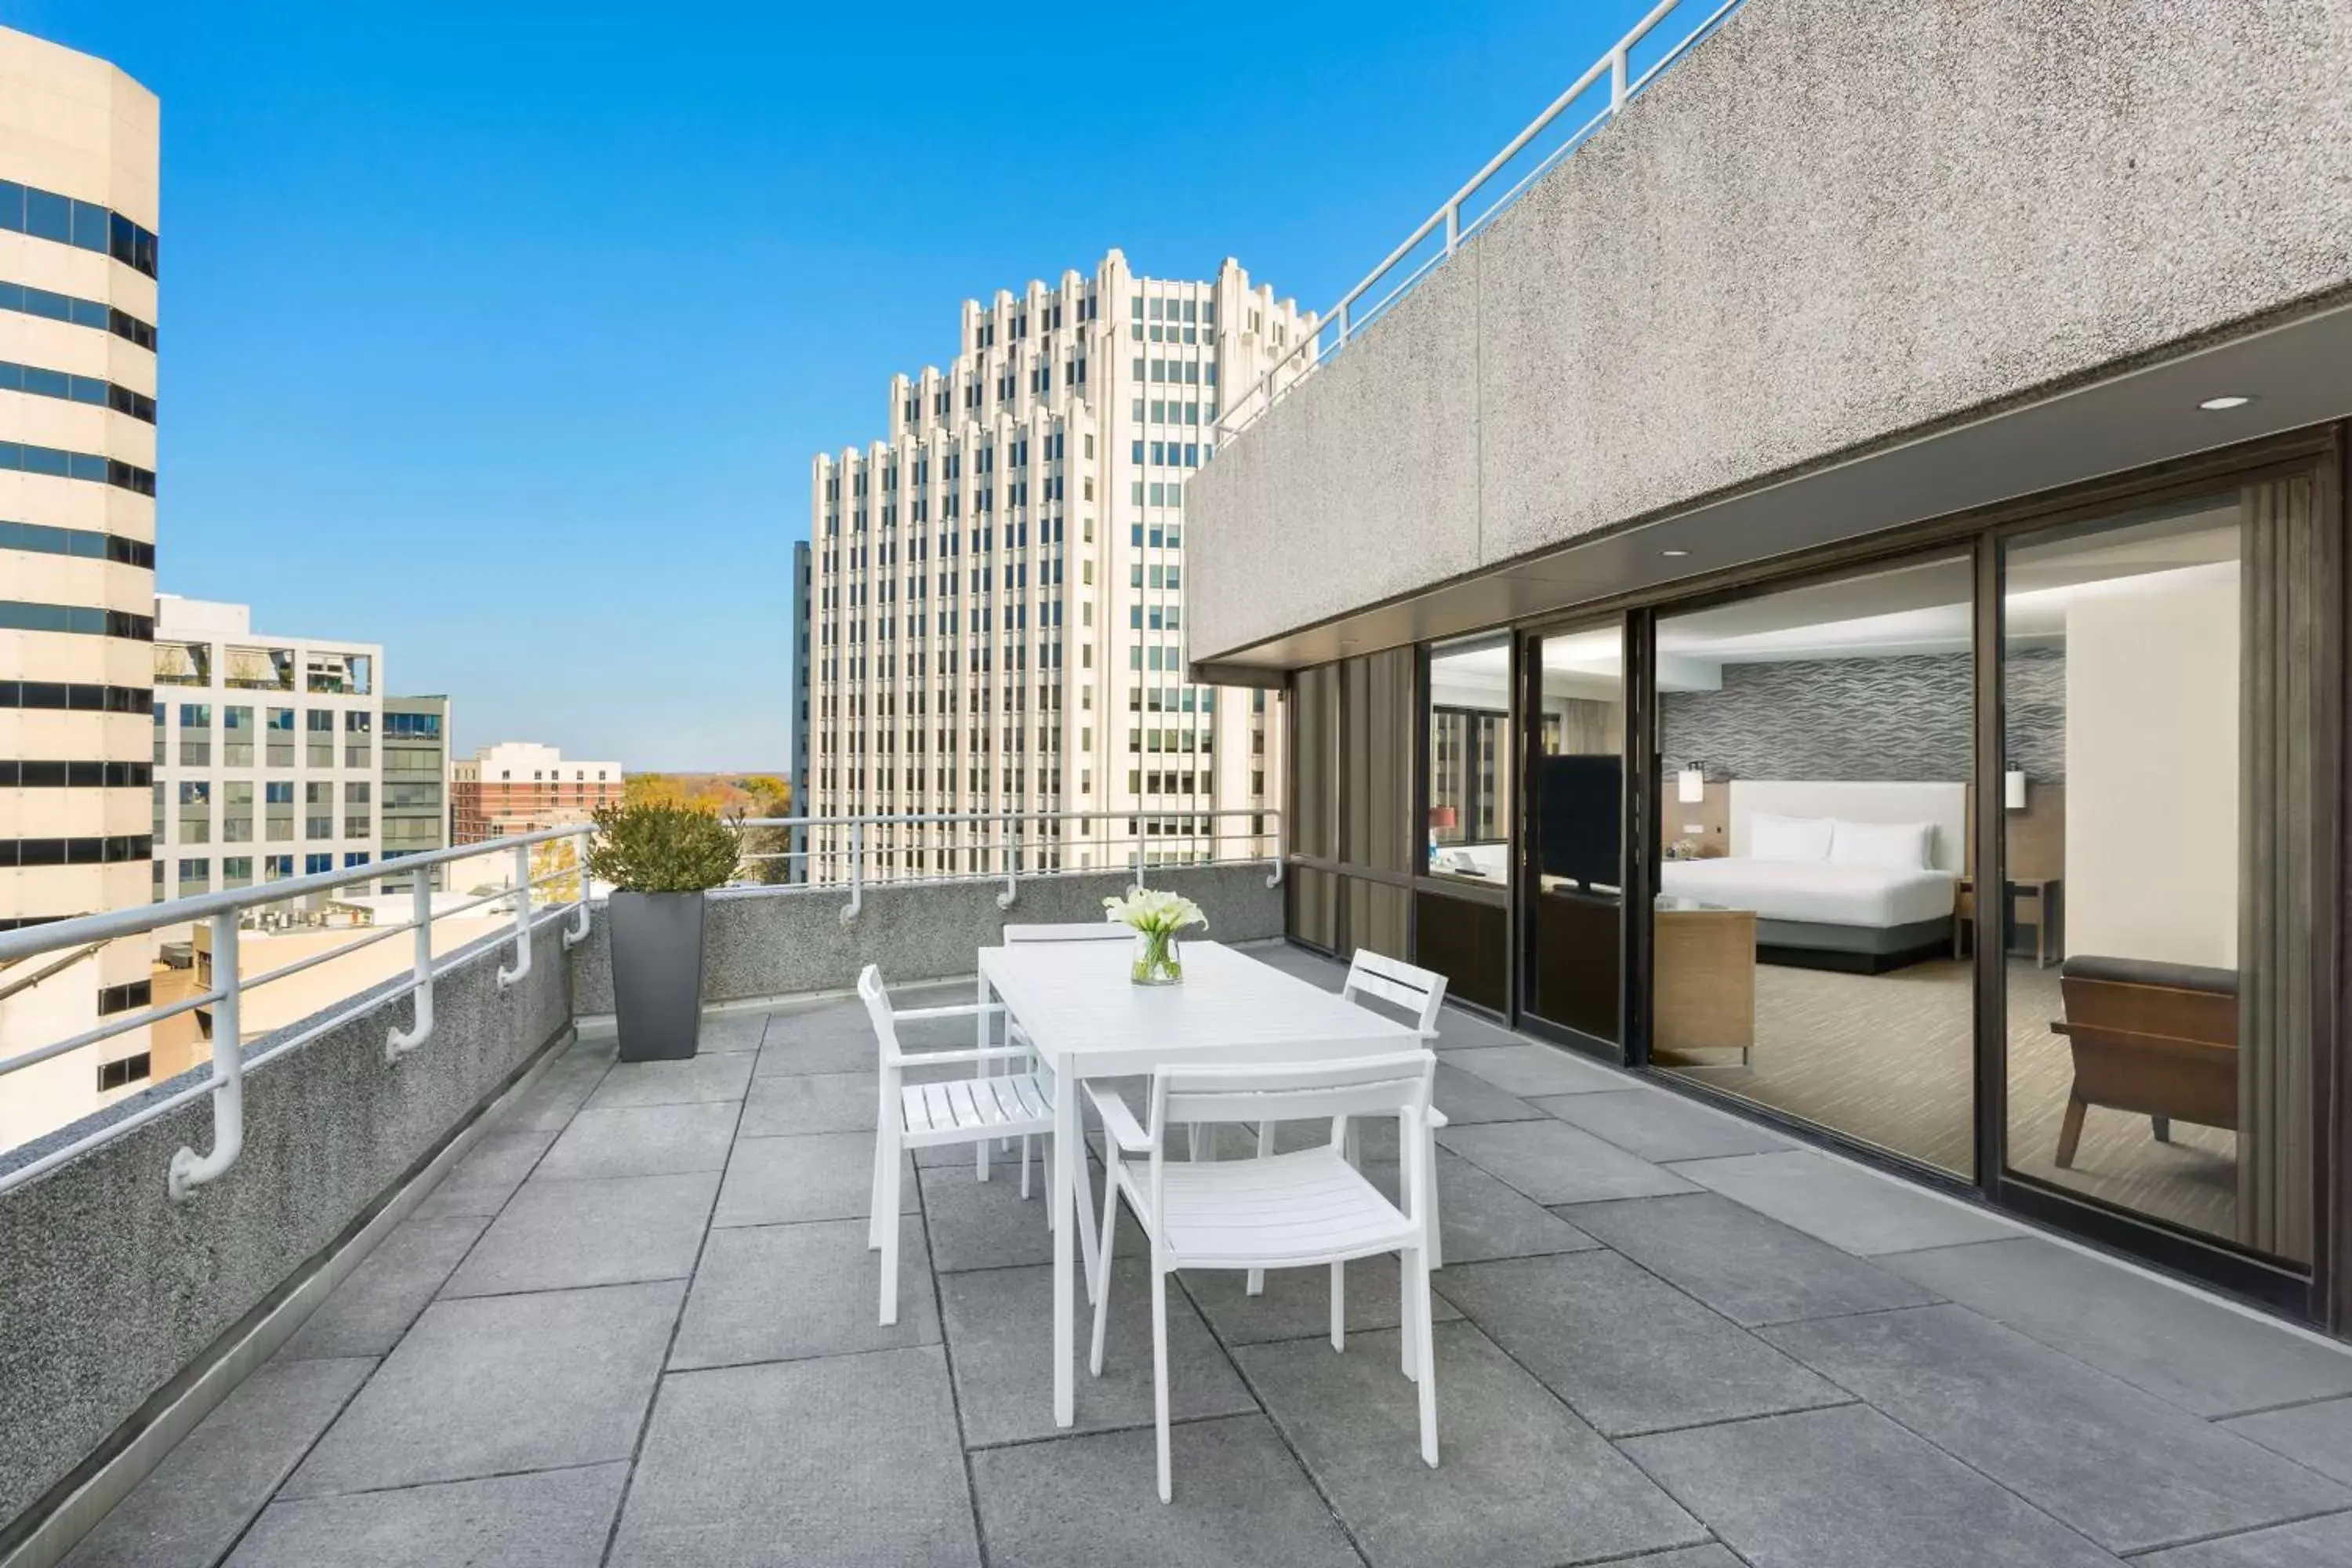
x,y
2048,894
1085,1018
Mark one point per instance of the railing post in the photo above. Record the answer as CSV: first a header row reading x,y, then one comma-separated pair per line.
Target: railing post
x,y
1453,225
856,872
1274,877
577,932
1011,864
399,1043
190,1170
1343,322
1616,79
522,919
1138,867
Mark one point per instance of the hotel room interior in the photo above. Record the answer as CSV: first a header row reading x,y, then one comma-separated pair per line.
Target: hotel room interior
x,y
1816,906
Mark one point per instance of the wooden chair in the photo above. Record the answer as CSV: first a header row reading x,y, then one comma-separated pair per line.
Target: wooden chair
x,y
1304,1209
922,1115
2160,1039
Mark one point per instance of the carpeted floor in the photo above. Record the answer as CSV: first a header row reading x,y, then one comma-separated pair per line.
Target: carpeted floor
x,y
1888,1058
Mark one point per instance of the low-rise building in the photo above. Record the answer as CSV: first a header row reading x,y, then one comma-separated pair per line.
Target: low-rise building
x,y
518,786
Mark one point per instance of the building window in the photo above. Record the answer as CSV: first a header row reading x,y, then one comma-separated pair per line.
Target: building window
x,y
124,1072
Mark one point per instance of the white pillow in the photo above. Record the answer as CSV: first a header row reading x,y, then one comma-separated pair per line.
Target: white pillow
x,y
1771,838
1883,845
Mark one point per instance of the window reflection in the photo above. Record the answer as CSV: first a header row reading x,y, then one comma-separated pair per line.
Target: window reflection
x,y
1469,795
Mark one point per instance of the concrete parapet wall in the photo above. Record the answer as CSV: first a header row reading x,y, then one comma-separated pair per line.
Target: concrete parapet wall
x,y
109,1289
783,941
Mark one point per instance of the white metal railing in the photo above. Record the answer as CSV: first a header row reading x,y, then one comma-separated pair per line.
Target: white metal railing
x,y
1330,332
1010,849
221,913
1017,857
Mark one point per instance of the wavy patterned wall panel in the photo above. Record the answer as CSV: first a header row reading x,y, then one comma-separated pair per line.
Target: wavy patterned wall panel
x,y
1904,717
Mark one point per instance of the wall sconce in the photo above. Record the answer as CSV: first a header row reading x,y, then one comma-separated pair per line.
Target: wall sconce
x,y
2013,789
1690,785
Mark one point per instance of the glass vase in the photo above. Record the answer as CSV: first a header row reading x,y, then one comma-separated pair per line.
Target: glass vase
x,y
1158,958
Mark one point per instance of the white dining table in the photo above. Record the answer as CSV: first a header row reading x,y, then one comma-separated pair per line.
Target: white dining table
x,y
1087,1019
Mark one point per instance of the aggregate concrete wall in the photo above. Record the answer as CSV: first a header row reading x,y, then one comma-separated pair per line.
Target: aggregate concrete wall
x,y
1834,224
785,941
109,1289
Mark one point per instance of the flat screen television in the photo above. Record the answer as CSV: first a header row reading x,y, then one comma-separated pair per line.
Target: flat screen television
x,y
1580,827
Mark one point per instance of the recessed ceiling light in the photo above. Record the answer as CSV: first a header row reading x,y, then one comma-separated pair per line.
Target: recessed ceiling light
x,y
2219,404
1674,554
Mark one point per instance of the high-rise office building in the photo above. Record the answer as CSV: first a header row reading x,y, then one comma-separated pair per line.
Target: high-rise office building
x,y
998,598
79,211
265,750
413,798
521,786
803,570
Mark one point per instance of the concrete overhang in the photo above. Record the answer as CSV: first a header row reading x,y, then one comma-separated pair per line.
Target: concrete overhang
x,y
2298,374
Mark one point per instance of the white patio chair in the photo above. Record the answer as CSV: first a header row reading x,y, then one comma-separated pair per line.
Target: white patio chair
x,y
1285,1211
961,1110
1420,994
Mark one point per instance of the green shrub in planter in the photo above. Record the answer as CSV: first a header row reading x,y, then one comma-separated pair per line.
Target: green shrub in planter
x,y
660,859
663,849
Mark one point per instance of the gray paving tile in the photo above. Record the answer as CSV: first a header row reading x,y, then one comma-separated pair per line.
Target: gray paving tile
x,y
695,1081
1629,1352
2185,1347
1480,1218
2319,1436
989,1224
794,1048
1553,1163
1849,1489
1751,1270
730,1034
191,1507
1528,1070
552,1101
1659,1126
482,1182
999,1324
1848,1207
779,1292
1297,1302
821,1175
845,1460
1712,1555
2313,1543
1466,1098
2121,1466
1078,1502
786,1103
1519,1480
551,1519
1003,1163
558,1235
601,1046
373,1306
646,1140
498,1384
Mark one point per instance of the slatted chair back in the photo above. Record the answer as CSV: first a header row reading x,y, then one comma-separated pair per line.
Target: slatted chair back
x,y
1420,993
1379,1083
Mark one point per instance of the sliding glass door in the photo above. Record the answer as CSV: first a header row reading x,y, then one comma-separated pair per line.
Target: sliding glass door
x,y
1574,910
1462,915
2172,688
1806,949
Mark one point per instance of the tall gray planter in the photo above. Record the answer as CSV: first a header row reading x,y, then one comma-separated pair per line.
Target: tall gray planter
x,y
657,974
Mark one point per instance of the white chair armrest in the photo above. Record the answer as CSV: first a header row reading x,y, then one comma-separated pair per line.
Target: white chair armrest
x,y
1437,1122
961,1010
970,1054
1120,1124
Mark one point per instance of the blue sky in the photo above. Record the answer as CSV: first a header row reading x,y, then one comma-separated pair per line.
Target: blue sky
x,y
503,334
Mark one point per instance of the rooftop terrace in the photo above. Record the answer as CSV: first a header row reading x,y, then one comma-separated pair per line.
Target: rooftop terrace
x,y
635,1325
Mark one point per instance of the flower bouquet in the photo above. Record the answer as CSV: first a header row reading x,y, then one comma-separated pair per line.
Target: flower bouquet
x,y
1157,917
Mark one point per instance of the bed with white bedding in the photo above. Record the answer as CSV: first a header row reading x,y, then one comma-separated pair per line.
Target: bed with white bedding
x,y
1847,875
